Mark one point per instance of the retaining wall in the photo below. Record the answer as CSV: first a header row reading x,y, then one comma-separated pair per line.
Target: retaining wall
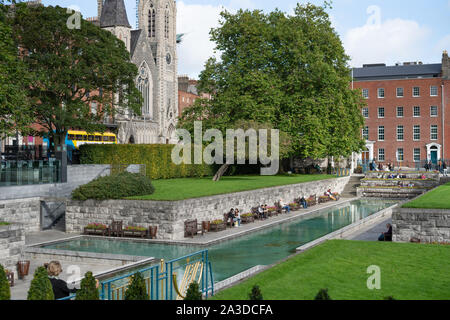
x,y
12,240
169,216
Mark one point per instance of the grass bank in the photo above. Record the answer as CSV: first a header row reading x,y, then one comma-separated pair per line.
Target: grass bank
x,y
187,188
438,198
408,272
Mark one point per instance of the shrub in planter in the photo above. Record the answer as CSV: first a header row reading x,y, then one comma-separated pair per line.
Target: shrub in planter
x,y
88,288
131,228
322,295
193,292
137,290
217,222
5,292
118,186
41,287
96,226
255,294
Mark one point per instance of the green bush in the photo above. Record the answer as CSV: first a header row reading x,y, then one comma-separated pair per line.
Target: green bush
x,y
88,289
193,292
255,294
116,186
137,290
5,292
41,287
156,157
322,295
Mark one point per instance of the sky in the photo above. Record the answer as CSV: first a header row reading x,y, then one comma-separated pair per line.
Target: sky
x,y
372,31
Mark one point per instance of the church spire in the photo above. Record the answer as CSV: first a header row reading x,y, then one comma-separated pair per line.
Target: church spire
x,y
114,14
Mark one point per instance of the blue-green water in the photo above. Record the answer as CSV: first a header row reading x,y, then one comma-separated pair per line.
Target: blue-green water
x,y
263,247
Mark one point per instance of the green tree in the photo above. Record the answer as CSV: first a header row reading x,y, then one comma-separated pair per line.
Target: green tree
x,y
289,71
322,295
137,289
5,291
40,287
255,294
88,288
193,292
15,113
71,68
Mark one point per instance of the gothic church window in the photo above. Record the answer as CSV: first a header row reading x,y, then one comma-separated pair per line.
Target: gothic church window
x,y
152,22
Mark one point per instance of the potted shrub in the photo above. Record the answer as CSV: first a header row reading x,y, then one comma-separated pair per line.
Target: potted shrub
x,y
193,292
218,225
255,294
5,291
88,288
41,287
132,231
247,217
137,289
96,229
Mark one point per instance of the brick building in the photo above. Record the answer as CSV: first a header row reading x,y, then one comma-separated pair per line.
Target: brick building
x,y
187,93
407,112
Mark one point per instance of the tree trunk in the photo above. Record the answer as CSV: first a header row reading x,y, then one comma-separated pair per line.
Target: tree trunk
x,y
220,172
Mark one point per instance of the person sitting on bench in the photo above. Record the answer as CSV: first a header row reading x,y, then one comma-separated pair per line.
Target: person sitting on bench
x,y
330,195
386,236
304,203
231,217
285,206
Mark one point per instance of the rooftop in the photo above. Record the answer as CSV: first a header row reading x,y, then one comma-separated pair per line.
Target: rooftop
x,y
405,71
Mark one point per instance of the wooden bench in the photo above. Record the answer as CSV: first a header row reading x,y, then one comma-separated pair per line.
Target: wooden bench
x,y
190,228
116,229
247,219
228,221
152,231
323,199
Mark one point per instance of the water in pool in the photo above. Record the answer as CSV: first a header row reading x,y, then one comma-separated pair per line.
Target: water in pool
x,y
259,248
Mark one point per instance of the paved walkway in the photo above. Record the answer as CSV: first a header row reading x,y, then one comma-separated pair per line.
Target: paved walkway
x,y
372,233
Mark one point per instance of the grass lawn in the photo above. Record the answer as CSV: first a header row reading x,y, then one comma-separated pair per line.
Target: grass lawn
x,y
436,199
180,189
408,271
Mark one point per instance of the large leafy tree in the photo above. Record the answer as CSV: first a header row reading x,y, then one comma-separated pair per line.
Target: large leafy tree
x,y
289,71
15,113
70,68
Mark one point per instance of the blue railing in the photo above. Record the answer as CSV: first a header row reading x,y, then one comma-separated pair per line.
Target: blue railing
x,y
161,284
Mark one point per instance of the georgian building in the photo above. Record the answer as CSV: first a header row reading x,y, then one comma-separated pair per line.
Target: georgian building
x,y
407,113
152,48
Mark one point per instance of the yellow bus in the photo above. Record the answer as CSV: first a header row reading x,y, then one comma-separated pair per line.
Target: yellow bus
x,y
78,138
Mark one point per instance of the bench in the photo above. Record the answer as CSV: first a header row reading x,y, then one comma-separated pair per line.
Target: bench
x,y
190,228
116,229
312,200
152,231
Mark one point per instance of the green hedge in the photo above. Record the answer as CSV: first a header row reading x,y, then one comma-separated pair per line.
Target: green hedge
x,y
156,157
117,186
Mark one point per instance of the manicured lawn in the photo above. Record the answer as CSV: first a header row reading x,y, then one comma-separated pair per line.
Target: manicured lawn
x,y
179,189
436,199
408,271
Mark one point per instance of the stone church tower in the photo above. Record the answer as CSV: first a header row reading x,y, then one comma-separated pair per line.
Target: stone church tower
x,y
153,50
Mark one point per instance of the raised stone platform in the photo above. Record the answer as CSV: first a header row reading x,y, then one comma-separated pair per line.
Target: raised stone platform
x,y
12,240
427,225
404,184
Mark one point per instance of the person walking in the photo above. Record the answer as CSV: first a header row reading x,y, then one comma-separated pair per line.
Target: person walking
x,y
444,168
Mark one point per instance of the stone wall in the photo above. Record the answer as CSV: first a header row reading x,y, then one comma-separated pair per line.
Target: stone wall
x,y
24,211
428,225
12,240
169,216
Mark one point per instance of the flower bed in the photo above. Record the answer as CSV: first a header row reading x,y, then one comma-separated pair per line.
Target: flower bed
x,y
247,218
96,229
132,231
218,225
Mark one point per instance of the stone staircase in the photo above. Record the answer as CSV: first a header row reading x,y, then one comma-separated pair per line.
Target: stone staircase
x,y
350,188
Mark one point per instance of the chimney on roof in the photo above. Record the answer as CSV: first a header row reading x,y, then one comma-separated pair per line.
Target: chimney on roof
x,y
445,66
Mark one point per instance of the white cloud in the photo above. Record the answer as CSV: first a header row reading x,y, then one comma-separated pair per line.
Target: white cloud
x,y
390,41
443,44
196,21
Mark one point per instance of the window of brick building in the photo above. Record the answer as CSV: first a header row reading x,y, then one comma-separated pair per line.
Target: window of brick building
x,y
400,93
381,133
381,112
416,133
434,91
381,155
434,132
365,93
400,133
365,112
365,133
400,154
400,112
416,92
380,92
433,111
416,155
416,111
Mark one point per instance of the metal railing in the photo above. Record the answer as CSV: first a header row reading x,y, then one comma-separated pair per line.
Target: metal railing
x,y
164,281
17,173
